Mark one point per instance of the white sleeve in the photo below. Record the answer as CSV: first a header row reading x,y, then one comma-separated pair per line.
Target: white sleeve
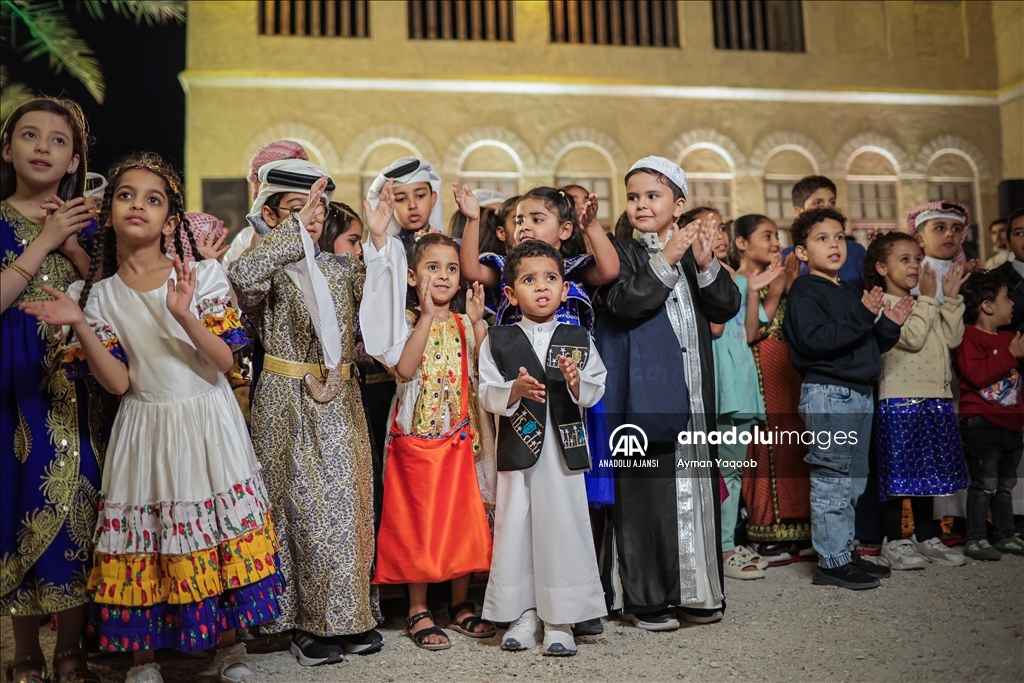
x,y
382,312
494,390
592,380
212,304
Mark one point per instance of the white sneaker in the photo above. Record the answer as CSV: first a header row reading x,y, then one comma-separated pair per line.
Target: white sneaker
x,y
938,552
524,632
900,554
558,640
147,673
660,621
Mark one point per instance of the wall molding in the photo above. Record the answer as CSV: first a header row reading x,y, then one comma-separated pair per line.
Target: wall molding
x,y
584,136
785,140
315,141
952,144
391,133
873,142
708,138
498,136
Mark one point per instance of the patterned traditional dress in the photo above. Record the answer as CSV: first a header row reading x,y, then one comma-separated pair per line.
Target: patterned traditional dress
x,y
316,456
53,445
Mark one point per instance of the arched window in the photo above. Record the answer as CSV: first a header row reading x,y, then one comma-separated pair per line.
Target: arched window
x,y
381,156
782,170
871,188
710,176
587,167
491,165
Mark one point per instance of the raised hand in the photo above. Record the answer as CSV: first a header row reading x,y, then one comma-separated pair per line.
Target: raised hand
x,y
703,246
526,386
792,268
680,241
571,373
314,207
1016,345
758,280
211,245
377,220
62,310
589,213
926,283
62,222
426,300
952,282
973,265
466,201
873,300
901,311
179,294
475,303
873,234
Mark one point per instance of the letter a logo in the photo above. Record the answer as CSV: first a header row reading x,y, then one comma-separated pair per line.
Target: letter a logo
x,y
628,440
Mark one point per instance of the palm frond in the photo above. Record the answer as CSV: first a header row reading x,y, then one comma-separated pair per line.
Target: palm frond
x,y
55,38
150,11
12,96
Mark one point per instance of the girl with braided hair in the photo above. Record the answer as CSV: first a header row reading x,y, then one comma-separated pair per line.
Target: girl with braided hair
x,y
184,513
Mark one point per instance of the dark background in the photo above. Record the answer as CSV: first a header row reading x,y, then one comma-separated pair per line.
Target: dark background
x,y
144,107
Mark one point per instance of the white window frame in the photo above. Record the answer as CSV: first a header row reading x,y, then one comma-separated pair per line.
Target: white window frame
x,y
730,196
606,205
787,218
860,226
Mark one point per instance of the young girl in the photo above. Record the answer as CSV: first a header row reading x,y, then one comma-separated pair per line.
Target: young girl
x,y
184,513
433,524
53,430
739,403
918,442
777,490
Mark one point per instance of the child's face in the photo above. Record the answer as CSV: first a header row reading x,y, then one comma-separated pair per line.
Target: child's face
x,y
538,289
41,149
350,241
941,237
825,249
535,220
650,206
413,203
440,263
998,233
291,203
762,244
140,210
1000,310
579,198
902,270
822,198
1016,238
721,243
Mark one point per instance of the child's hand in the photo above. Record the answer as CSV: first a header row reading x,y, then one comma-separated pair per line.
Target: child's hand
x,y
873,299
526,386
901,311
952,282
927,283
703,246
588,216
63,310
377,220
680,242
973,265
211,245
179,294
571,373
1016,344
62,222
466,201
475,303
758,280
792,269
873,234
426,300
314,207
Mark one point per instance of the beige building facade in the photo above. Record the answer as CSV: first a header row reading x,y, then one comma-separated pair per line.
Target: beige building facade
x,y
898,102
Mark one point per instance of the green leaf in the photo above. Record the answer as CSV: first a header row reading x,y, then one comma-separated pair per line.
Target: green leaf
x,y
12,96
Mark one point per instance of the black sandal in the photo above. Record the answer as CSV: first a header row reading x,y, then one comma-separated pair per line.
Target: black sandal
x,y
82,675
419,636
467,626
27,677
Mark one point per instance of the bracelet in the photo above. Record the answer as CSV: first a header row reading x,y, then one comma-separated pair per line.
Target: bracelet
x,y
22,272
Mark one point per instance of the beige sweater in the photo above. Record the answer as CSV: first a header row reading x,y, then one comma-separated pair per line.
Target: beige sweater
x,y
919,365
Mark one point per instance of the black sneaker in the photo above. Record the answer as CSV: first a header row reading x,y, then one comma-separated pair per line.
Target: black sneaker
x,y
590,627
847,576
361,643
876,570
314,650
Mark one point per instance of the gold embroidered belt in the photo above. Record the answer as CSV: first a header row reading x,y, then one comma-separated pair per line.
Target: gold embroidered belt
x,y
288,368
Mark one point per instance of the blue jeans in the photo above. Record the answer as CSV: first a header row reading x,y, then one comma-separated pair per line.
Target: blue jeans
x,y
840,420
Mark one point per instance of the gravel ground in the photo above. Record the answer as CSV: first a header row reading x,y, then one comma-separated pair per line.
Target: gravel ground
x,y
940,624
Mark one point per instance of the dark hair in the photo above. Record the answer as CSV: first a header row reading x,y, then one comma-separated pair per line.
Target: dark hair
x,y
1015,214
488,241
878,252
981,286
997,222
677,192
72,184
562,203
416,252
744,227
340,219
530,249
803,223
623,228
691,215
805,187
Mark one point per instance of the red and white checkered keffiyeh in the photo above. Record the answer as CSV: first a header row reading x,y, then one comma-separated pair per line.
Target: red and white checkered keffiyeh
x,y
199,224
275,151
926,212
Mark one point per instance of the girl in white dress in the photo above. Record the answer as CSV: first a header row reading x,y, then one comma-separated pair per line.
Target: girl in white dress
x,y
184,541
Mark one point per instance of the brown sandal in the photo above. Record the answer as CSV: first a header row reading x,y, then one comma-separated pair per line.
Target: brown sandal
x,y
27,677
467,626
77,675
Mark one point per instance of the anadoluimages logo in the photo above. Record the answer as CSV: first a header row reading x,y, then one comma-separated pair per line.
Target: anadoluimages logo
x,y
629,441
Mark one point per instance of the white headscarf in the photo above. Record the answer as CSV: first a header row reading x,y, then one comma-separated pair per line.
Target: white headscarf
x,y
669,169
316,293
424,173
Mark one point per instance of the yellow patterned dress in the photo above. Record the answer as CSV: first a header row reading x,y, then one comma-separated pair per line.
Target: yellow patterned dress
x,y
316,456
52,450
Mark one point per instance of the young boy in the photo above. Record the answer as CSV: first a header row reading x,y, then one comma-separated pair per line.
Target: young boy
x,y
1013,269
537,376
818,192
836,340
661,548
417,203
991,413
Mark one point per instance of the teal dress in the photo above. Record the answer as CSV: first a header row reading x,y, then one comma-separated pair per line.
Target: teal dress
x,y
738,396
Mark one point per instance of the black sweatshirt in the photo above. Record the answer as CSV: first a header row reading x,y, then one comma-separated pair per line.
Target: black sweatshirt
x,y
833,337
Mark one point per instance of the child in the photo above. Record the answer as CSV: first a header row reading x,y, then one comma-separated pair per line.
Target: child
x,y
777,489
433,524
1013,269
497,237
664,536
836,339
918,444
308,424
184,510
343,231
739,404
544,571
56,421
417,204
988,364
489,201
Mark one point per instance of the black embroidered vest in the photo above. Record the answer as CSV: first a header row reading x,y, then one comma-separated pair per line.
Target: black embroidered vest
x,y
521,437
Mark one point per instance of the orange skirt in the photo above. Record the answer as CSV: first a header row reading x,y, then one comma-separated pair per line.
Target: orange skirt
x,y
433,524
